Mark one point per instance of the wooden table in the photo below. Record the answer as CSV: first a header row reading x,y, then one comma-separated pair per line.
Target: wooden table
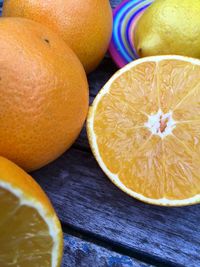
x,y
103,227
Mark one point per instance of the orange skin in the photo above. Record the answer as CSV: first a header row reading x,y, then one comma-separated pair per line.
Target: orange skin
x,y
19,179
86,25
43,94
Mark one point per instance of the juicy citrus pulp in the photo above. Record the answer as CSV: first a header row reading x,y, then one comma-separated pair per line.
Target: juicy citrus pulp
x,y
30,233
144,129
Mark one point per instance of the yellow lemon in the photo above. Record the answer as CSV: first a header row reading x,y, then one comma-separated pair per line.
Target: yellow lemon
x,y
169,27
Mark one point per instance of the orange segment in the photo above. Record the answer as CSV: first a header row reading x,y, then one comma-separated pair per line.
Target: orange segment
x,y
181,169
140,84
144,130
189,134
175,79
188,108
144,164
30,233
28,239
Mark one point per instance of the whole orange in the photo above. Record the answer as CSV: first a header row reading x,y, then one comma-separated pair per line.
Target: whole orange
x,y
43,93
86,25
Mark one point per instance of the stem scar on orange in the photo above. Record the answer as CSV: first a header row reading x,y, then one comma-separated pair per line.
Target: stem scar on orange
x,y
43,93
85,25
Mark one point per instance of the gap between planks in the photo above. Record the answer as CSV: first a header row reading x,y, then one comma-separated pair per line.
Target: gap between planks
x,y
115,247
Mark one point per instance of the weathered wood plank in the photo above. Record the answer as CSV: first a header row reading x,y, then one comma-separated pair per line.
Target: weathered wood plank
x,y
101,75
85,199
114,3
79,253
82,141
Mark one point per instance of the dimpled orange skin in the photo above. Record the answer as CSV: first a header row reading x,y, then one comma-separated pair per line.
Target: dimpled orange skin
x,y
19,179
43,94
86,25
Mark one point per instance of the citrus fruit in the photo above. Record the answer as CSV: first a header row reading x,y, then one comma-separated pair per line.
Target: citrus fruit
x,y
169,27
85,25
43,94
30,232
144,130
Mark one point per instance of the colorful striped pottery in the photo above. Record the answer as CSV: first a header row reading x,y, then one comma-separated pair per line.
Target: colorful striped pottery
x,y
125,17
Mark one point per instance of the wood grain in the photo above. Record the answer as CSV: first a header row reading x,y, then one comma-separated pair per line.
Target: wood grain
x,y
85,199
102,74
79,253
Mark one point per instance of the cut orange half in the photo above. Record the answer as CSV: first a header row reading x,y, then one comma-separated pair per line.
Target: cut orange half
x,y
30,232
144,130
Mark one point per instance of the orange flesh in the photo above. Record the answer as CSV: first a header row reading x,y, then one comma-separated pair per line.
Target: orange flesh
x,y
144,162
24,236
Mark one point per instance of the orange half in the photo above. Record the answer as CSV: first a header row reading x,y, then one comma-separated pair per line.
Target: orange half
x,y
144,130
30,232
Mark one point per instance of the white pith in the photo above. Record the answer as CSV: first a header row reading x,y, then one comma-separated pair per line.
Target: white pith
x,y
53,230
93,142
154,123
